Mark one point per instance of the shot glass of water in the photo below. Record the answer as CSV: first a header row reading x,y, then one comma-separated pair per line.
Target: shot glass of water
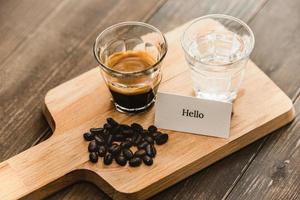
x,y
217,48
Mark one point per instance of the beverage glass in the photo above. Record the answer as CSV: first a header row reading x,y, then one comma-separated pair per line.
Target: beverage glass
x,y
130,56
217,48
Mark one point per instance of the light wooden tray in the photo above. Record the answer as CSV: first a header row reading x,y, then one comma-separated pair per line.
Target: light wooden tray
x,y
84,102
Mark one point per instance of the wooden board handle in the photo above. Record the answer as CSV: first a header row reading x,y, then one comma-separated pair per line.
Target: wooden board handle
x,y
40,165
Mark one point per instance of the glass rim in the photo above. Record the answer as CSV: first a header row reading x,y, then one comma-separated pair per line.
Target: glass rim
x,y
220,16
134,73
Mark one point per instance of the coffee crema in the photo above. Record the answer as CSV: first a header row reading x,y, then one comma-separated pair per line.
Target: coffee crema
x,y
136,93
130,61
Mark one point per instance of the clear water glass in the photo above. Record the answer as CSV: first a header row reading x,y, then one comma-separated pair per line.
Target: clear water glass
x,y
217,48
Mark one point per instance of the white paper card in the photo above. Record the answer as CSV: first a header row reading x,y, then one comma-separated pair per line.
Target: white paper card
x,y
192,115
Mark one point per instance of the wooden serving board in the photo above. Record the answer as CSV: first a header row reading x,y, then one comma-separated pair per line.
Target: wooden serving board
x,y
84,102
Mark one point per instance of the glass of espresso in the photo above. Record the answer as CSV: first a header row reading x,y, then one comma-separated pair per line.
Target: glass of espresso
x,y
130,56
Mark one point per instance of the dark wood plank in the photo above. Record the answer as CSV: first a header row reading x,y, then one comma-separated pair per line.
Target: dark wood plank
x,y
274,173
80,191
277,51
19,19
172,14
175,13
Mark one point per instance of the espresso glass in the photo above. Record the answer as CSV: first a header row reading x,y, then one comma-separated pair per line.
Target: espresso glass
x,y
133,90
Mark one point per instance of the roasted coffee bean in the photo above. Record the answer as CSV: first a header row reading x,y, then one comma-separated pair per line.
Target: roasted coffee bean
x,y
140,153
129,139
125,127
109,140
137,127
93,157
108,159
115,149
113,145
142,145
145,133
88,136
156,134
112,122
138,139
147,160
96,130
135,162
127,132
152,129
99,140
102,143
101,151
126,144
153,149
121,160
134,137
149,139
107,126
127,154
150,150
92,146
105,133
161,138
114,130
119,137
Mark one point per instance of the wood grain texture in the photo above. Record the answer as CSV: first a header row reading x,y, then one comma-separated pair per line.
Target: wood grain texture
x,y
75,107
18,20
274,173
279,176
174,13
279,21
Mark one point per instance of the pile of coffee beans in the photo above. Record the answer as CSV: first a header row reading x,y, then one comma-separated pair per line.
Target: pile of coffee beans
x,y
117,142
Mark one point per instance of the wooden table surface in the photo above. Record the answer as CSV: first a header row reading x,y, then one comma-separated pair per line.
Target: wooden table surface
x,y
44,43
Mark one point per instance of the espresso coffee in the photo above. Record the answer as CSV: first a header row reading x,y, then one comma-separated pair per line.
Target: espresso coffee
x,y
133,93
